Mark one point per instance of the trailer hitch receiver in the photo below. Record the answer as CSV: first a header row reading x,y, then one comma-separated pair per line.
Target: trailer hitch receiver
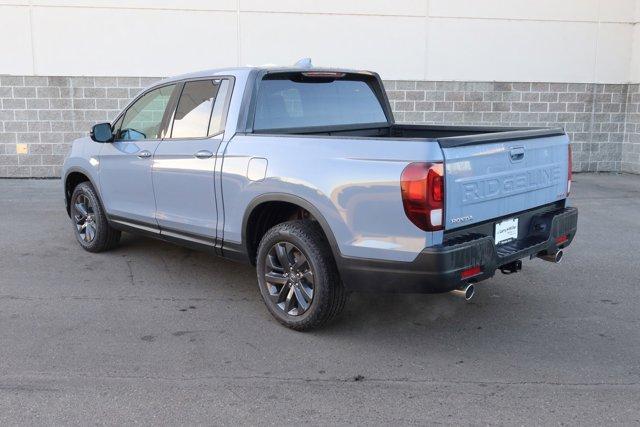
x,y
512,267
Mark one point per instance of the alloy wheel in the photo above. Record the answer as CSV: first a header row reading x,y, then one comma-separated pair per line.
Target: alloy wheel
x,y
84,217
289,278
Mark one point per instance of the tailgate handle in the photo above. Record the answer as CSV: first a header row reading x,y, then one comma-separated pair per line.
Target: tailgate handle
x,y
516,154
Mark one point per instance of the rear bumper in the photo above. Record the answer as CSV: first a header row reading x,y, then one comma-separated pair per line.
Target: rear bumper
x,y
438,269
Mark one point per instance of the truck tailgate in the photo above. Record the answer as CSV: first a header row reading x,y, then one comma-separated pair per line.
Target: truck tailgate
x,y
488,179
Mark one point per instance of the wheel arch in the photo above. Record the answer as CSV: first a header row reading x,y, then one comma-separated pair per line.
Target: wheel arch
x,y
72,178
262,200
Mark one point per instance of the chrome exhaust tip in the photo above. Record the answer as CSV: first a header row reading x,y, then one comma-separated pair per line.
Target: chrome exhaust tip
x,y
467,292
554,258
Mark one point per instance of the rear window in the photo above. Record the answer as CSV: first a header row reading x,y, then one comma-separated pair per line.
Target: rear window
x,y
293,101
194,109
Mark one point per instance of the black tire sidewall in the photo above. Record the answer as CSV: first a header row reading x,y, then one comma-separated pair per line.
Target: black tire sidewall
x,y
294,232
86,189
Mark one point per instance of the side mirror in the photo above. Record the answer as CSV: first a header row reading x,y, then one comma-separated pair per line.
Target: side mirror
x,y
101,132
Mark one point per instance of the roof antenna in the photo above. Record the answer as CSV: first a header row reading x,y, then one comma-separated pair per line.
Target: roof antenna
x,y
303,63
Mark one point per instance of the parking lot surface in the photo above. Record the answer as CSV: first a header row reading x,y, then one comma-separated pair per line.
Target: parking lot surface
x,y
154,333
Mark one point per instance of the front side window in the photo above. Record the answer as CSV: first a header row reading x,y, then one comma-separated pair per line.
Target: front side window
x,y
200,109
143,119
291,101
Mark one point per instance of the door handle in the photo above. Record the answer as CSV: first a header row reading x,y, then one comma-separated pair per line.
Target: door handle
x,y
203,154
144,154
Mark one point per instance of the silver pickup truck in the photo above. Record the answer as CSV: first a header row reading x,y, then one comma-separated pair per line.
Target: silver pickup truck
x,y
304,173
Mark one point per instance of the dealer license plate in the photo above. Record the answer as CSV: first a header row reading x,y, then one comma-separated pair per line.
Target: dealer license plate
x,y
506,230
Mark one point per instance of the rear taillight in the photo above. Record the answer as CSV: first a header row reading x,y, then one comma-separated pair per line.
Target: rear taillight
x,y
569,174
422,188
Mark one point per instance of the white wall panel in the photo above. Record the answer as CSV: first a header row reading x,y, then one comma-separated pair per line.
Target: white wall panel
x,y
515,40
363,7
15,41
613,56
556,10
635,55
472,49
72,41
569,10
618,10
144,4
392,46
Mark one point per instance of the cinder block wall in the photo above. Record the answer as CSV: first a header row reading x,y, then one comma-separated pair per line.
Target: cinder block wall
x,y
602,120
48,113
593,115
631,145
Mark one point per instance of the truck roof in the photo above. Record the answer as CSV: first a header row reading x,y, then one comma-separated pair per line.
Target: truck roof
x,y
243,71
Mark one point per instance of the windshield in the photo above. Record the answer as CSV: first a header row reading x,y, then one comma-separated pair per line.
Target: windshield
x,y
293,101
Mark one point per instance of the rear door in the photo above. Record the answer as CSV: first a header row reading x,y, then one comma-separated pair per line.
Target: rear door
x,y
184,163
490,180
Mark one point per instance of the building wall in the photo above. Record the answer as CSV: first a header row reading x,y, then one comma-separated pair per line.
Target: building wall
x,y
46,113
634,73
570,63
630,155
43,115
574,41
593,115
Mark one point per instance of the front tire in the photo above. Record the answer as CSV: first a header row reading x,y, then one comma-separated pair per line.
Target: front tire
x,y
90,225
297,276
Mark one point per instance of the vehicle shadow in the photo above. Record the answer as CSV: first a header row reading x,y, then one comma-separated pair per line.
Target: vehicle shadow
x,y
366,314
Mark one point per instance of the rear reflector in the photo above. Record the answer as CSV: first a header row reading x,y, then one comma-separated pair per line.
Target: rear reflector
x,y
422,188
470,272
561,239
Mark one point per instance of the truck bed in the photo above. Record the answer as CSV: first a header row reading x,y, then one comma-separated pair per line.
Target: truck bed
x,y
447,136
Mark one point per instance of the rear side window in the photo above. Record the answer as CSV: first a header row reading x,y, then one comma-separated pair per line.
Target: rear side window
x,y
291,101
200,109
216,124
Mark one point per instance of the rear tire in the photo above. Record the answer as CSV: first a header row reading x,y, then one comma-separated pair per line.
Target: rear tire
x,y
90,225
307,293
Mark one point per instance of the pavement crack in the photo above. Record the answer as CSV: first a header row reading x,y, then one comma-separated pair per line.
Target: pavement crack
x,y
128,261
336,380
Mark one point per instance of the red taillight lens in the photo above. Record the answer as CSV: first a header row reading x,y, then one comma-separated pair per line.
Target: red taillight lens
x,y
422,188
561,239
570,174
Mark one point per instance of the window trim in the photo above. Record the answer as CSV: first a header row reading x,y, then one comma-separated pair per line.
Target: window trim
x,y
136,99
225,109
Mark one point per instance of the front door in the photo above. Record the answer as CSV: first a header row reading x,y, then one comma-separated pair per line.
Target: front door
x,y
184,162
126,185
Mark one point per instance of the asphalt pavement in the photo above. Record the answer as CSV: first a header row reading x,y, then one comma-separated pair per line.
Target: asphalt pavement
x,y
153,333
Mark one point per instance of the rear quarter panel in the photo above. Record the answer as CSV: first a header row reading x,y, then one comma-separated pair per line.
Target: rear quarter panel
x,y
353,182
